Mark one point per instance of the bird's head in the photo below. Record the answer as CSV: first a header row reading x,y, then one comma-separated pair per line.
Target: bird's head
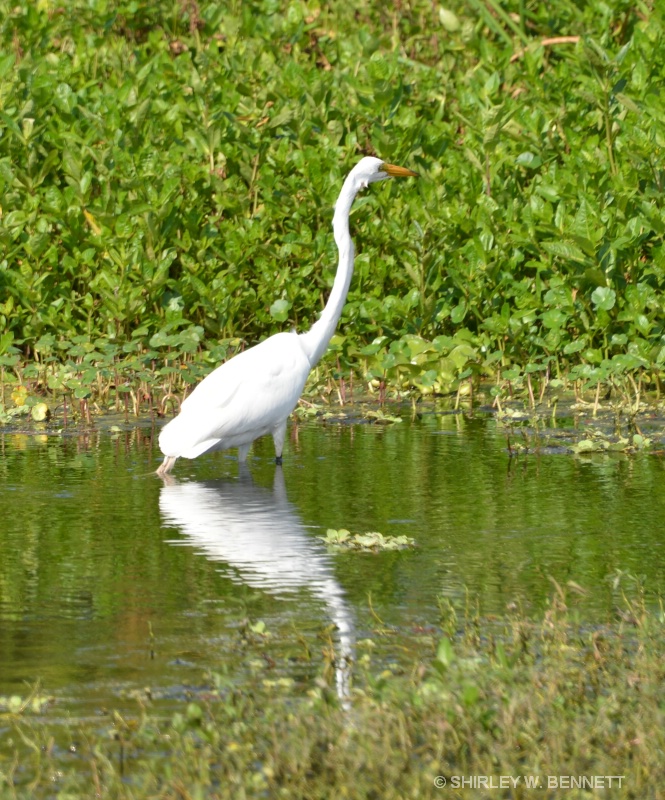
x,y
370,170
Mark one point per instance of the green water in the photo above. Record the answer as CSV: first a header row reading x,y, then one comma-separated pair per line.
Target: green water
x,y
111,581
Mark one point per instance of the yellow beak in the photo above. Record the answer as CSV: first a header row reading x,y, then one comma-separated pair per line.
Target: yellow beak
x,y
398,172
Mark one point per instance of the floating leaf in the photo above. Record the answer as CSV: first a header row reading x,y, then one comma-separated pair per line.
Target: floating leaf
x,y
371,541
40,411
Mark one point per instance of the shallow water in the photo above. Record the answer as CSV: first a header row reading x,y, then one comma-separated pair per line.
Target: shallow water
x,y
111,581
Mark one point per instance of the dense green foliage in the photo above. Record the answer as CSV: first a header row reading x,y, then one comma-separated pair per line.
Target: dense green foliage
x,y
167,173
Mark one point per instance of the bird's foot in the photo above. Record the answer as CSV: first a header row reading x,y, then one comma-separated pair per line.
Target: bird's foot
x,y
166,466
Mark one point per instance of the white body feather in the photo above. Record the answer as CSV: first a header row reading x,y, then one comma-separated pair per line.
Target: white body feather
x,y
248,396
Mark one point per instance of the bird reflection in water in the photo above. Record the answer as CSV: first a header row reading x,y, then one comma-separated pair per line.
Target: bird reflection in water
x,y
260,535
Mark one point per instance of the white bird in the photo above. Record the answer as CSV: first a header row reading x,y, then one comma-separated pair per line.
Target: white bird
x,y
254,392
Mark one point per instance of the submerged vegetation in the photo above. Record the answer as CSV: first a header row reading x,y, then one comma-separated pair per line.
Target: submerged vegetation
x,y
549,704
167,173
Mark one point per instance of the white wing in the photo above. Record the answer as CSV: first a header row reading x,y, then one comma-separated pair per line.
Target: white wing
x,y
249,395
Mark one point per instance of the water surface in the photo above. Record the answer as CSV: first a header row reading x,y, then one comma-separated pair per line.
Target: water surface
x,y
112,581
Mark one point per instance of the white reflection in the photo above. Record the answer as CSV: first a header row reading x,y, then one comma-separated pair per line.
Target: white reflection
x,y
260,535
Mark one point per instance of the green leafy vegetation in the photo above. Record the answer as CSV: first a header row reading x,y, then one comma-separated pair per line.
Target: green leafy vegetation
x,y
372,541
167,172
468,696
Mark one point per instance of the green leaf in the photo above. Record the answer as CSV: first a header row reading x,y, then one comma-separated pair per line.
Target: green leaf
x,y
449,20
279,310
565,250
575,346
470,694
445,654
529,160
603,298
39,412
458,313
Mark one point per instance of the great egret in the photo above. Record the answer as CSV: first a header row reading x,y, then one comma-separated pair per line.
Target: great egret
x,y
255,391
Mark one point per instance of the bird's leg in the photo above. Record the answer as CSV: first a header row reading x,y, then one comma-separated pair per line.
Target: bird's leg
x,y
243,450
278,436
166,466
244,473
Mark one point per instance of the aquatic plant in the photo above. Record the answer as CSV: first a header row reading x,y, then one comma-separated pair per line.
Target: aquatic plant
x,y
372,541
538,700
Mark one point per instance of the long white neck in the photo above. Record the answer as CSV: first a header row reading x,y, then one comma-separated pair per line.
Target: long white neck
x,y
315,341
